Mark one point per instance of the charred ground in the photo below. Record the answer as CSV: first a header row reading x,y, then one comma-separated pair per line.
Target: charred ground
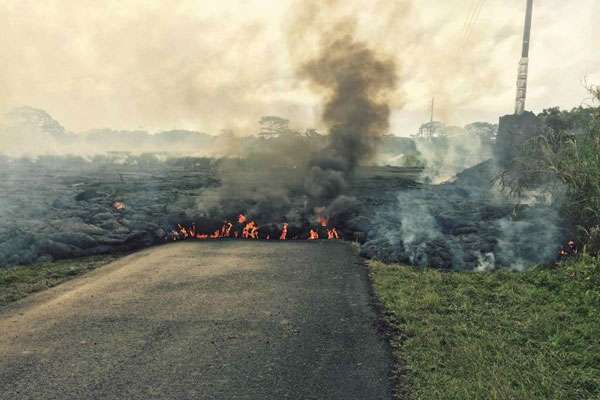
x,y
63,207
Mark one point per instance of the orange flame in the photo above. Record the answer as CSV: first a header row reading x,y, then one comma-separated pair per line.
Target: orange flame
x,y
332,234
119,205
250,230
226,229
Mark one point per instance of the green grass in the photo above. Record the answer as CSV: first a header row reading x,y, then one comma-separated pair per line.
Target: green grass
x,y
497,335
17,282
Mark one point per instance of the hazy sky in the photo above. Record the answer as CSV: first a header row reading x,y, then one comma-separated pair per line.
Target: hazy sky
x,y
211,65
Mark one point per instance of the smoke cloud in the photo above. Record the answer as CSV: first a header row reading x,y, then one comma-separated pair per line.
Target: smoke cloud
x,y
148,65
345,66
468,224
356,83
205,65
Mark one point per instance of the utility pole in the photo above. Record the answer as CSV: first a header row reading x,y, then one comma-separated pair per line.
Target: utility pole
x,y
524,62
432,105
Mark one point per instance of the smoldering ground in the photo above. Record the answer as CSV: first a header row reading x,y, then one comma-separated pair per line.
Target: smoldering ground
x,y
468,223
356,78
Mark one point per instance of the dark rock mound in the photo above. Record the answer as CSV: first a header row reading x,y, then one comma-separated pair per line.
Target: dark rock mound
x,y
463,225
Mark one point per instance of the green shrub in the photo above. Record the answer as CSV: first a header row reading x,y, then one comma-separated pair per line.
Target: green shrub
x,y
565,162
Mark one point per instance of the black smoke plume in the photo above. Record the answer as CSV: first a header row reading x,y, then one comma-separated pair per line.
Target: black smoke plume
x,y
355,82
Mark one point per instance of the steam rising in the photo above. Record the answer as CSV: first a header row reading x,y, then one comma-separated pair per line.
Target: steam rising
x,y
467,224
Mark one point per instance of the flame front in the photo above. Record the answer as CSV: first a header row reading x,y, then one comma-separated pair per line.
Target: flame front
x,y
283,235
250,230
332,234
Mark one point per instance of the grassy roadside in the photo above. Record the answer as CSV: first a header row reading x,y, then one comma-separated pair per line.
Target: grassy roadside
x,y
499,335
17,282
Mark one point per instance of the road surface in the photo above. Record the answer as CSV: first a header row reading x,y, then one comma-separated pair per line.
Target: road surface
x,y
201,320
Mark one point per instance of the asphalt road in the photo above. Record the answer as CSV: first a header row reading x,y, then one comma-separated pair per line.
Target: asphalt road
x,y
202,320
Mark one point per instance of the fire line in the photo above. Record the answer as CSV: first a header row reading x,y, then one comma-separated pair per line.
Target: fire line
x,y
247,229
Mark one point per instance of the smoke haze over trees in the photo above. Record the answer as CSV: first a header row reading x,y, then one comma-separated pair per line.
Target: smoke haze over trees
x,y
206,66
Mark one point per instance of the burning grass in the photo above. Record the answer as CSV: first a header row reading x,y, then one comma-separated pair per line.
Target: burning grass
x,y
500,335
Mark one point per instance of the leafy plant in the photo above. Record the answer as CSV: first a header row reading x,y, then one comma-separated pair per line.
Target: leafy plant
x,y
564,163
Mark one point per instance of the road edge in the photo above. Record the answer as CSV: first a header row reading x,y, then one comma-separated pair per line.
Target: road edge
x,y
393,337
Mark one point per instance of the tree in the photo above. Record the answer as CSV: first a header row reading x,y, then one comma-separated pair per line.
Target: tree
x,y
484,130
576,121
564,161
312,133
273,126
432,129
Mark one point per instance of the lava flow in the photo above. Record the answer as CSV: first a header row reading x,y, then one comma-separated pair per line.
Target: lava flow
x,y
248,229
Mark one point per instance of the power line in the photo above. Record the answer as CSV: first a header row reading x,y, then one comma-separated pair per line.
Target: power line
x,y
469,18
474,19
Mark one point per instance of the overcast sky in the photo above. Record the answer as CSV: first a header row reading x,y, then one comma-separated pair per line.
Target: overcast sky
x,y
209,65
